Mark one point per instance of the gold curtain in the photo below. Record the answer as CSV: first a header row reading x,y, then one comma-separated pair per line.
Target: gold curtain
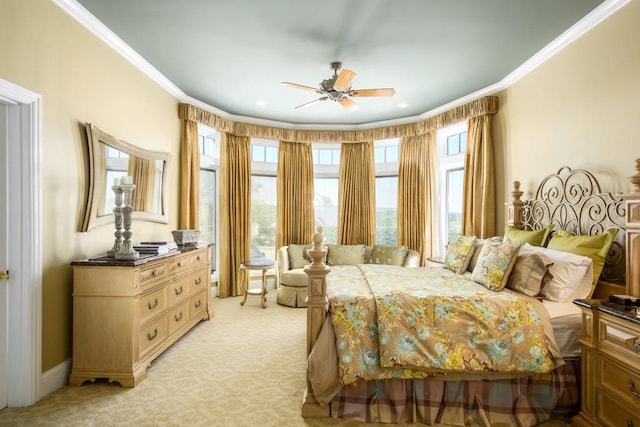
x,y
189,177
485,105
356,195
235,211
478,206
295,194
142,172
417,201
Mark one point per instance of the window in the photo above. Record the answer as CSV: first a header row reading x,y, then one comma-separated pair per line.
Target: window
x,y
325,205
209,146
386,155
452,145
264,195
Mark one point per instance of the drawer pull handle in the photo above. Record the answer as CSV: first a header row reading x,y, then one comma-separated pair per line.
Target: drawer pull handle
x,y
154,273
629,422
198,258
178,318
179,263
155,334
632,388
178,291
198,281
198,304
154,305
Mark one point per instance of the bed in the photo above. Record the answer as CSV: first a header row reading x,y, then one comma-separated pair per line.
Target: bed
x,y
365,364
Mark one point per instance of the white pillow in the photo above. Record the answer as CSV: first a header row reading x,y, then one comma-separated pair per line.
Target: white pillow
x,y
572,275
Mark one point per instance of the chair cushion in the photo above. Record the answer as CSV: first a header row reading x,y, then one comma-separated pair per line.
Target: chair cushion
x,y
296,278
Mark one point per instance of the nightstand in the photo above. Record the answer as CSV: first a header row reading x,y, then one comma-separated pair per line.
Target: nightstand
x,y
610,365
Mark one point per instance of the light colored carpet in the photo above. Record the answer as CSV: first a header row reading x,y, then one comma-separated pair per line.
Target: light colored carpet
x,y
245,367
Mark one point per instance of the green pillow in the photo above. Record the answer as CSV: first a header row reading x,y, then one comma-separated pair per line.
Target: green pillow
x,y
346,254
595,247
532,237
459,253
495,263
392,255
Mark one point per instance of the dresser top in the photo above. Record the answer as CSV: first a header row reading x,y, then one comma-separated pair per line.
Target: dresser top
x,y
631,314
108,261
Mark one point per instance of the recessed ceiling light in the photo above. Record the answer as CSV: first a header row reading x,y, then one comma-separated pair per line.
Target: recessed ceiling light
x,y
403,105
261,102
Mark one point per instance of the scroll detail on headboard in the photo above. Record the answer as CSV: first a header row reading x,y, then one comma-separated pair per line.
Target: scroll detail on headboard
x,y
573,201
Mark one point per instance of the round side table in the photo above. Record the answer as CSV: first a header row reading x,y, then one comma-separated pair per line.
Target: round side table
x,y
245,271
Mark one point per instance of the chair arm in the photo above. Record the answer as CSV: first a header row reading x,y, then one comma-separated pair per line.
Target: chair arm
x,y
283,259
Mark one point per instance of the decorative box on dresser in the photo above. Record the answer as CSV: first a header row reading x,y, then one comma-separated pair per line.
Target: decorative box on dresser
x,y
127,312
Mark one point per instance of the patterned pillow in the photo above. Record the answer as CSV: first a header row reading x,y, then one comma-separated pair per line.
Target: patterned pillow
x,y
459,253
495,263
391,255
298,257
346,254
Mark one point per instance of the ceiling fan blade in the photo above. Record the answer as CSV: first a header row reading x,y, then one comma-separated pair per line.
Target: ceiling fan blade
x,y
349,104
315,101
343,82
372,92
303,87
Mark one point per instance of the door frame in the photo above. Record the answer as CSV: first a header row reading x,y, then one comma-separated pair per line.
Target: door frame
x,y
24,362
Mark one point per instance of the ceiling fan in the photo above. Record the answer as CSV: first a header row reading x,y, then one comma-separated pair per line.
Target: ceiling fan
x,y
338,88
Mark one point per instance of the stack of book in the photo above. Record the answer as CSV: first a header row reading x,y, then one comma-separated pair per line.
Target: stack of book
x,y
155,248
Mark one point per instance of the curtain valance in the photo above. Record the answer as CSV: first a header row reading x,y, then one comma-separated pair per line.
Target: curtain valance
x,y
482,106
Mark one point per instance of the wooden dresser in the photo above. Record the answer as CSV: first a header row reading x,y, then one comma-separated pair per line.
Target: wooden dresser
x,y
610,365
126,313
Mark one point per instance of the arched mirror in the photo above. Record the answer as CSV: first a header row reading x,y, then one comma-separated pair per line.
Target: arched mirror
x,y
109,160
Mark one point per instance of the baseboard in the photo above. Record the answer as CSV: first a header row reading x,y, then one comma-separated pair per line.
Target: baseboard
x,y
55,378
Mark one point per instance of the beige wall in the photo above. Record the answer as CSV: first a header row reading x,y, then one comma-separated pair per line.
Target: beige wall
x,y
80,80
581,108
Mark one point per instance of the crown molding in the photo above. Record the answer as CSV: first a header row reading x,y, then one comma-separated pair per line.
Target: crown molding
x,y
84,17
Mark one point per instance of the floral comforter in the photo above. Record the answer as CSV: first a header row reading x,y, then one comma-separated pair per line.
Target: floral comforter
x,y
396,322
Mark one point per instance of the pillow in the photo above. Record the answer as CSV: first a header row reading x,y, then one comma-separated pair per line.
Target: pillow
x,y
476,252
495,262
529,272
345,254
572,275
391,255
298,257
595,247
459,253
533,237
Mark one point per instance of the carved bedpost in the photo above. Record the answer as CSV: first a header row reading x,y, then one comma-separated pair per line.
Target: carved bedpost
x,y
632,202
514,208
316,313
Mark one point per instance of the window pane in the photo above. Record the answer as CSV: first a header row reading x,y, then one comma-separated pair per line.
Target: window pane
x,y
263,214
387,210
453,144
336,157
455,179
201,143
316,155
208,147
392,154
271,154
257,153
325,203
325,157
207,215
378,154
463,142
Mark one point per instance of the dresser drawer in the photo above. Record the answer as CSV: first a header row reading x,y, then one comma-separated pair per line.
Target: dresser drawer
x,y
615,414
198,304
153,274
198,280
152,303
178,290
620,339
198,259
620,380
178,264
178,317
153,335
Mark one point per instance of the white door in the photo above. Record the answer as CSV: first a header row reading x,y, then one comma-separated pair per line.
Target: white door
x,y
4,262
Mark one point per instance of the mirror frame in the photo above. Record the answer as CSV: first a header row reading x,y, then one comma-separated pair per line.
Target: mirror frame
x,y
95,138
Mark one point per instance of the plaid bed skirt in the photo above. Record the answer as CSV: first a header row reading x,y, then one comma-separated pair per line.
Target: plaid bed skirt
x,y
519,401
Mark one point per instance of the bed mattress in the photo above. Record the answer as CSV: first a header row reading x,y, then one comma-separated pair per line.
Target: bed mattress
x,y
566,319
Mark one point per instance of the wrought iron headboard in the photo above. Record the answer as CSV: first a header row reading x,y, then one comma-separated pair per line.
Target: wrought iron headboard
x,y
572,200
